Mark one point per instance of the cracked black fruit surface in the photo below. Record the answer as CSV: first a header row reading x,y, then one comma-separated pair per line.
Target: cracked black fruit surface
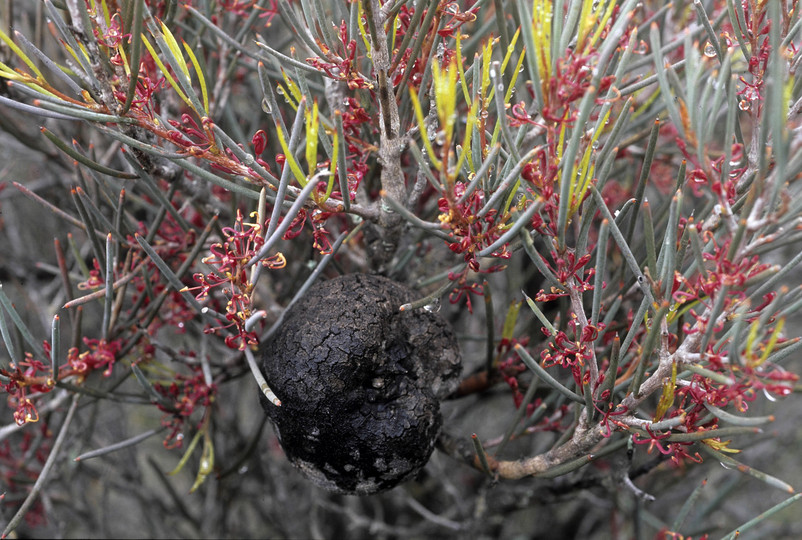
x,y
360,383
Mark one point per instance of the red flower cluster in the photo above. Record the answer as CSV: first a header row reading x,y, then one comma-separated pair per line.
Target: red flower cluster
x,y
230,259
34,377
568,84
463,289
571,353
320,236
512,367
472,233
30,375
191,137
724,273
341,66
101,354
184,395
565,267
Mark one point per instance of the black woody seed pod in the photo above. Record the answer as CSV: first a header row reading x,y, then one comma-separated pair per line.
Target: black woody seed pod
x,y
360,383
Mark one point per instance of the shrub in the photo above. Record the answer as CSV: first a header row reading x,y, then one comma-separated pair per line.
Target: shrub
x,y
600,193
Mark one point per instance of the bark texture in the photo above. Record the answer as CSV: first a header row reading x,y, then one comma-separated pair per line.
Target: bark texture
x,y
360,383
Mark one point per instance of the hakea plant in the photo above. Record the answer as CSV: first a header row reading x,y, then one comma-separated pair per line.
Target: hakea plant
x,y
637,158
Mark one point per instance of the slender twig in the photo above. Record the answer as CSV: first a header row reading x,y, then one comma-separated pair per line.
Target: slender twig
x,y
43,477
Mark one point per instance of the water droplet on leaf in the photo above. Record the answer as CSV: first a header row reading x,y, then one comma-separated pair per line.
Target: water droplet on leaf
x,y
710,50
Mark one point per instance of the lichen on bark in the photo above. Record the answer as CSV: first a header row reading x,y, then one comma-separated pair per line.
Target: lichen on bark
x,y
360,383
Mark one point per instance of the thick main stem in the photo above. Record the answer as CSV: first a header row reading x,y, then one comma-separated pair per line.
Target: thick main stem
x,y
391,144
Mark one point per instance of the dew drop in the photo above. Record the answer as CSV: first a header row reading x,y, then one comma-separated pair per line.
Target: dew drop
x,y
433,306
751,93
710,50
266,107
726,466
641,48
744,105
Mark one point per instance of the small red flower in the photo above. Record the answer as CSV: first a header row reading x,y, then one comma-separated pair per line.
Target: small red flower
x,y
230,258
